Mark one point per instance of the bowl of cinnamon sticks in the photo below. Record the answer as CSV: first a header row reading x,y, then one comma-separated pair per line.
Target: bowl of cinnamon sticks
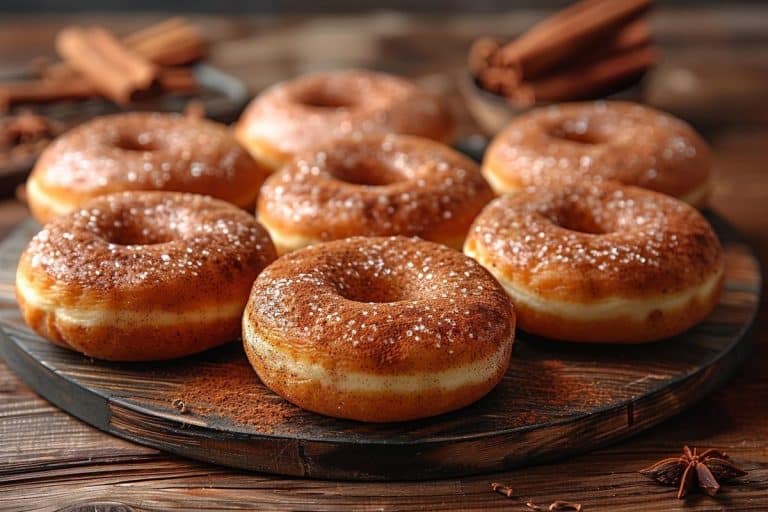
x,y
592,49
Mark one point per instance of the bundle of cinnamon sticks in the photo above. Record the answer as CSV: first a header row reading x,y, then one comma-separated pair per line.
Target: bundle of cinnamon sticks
x,y
97,63
591,48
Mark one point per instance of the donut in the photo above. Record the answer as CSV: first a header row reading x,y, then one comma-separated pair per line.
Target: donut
x,y
140,276
378,329
600,262
375,186
562,145
312,110
142,151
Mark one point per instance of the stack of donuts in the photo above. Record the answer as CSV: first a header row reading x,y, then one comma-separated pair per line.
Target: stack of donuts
x,y
348,286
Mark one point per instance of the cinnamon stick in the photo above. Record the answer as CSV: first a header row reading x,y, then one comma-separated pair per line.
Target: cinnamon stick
x,y
114,70
42,91
586,81
480,54
635,34
180,80
171,43
135,38
499,80
542,49
138,69
630,37
562,15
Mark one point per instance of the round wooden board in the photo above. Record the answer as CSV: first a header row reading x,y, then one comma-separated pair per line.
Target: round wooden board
x,y
557,399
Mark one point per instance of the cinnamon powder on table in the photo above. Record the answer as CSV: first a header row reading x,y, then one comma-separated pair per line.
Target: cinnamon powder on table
x,y
231,390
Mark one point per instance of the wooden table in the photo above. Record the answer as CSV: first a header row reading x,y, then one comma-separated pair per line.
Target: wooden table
x,y
715,72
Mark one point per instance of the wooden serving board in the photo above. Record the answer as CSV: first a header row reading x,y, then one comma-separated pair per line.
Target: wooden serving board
x,y
556,399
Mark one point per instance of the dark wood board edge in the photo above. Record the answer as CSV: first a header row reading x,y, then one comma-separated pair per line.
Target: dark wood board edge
x,y
373,461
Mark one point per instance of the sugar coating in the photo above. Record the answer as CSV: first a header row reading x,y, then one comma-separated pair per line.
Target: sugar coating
x,y
148,151
314,109
595,241
381,304
630,143
390,185
136,240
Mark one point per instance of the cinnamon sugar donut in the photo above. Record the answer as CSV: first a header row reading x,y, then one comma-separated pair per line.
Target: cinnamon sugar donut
x,y
142,276
566,144
378,329
600,262
294,116
142,151
390,185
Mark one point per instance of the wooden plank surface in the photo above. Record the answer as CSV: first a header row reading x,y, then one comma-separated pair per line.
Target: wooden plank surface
x,y
716,72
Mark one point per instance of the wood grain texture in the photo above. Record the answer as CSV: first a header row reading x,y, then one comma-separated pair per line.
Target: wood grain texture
x,y
714,72
556,399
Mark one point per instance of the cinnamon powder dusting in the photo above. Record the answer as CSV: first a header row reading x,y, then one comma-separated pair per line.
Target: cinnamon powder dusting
x,y
232,391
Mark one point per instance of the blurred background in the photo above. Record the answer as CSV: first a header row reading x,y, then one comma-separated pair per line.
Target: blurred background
x,y
710,67
257,6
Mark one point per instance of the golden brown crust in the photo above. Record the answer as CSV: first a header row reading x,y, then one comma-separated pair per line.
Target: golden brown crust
x,y
142,151
600,261
375,186
382,307
123,259
565,144
312,110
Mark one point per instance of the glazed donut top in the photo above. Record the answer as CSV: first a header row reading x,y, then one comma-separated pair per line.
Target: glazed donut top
x,y
313,109
381,305
636,145
388,185
149,151
596,241
133,243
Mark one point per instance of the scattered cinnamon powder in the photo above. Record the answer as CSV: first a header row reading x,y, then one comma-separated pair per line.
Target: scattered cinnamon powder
x,y
543,390
222,383
232,390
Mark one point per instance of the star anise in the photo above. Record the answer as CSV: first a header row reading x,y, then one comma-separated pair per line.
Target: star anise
x,y
705,470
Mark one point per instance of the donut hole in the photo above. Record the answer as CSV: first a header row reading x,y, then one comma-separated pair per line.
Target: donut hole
x,y
576,133
136,230
366,173
580,221
137,236
134,143
363,287
325,99
372,294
